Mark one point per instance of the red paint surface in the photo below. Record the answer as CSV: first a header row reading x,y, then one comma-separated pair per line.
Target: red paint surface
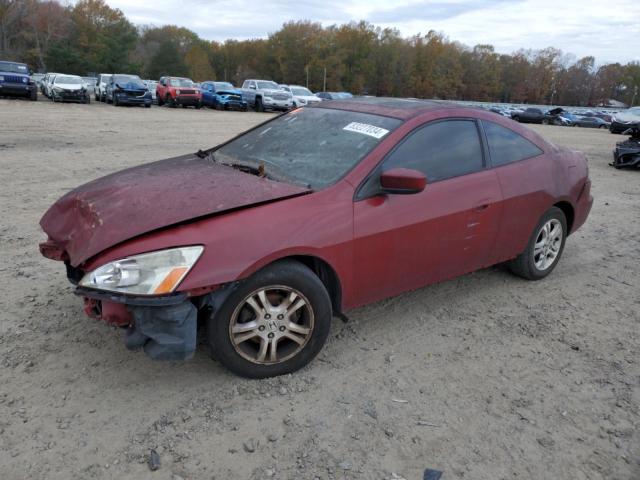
x,y
118,207
378,247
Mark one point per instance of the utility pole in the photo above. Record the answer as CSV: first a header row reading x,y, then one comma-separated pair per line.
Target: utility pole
x,y
324,80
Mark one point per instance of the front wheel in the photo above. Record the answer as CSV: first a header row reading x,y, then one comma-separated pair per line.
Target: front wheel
x,y
259,105
544,248
273,323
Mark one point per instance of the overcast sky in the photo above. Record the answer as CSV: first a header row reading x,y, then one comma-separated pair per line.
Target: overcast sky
x,y
606,29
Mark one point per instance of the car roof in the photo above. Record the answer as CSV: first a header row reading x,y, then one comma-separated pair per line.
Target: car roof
x,y
401,108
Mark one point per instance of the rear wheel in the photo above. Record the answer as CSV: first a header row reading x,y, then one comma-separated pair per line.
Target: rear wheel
x,y
273,323
545,247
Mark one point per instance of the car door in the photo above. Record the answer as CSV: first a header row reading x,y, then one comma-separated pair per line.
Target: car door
x,y
403,242
207,94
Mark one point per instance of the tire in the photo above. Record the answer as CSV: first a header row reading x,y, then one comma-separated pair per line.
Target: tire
x,y
198,106
602,127
516,118
545,122
218,106
87,99
169,101
259,106
147,105
114,100
525,265
279,280
33,96
159,100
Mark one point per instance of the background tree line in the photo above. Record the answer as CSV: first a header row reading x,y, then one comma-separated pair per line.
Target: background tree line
x,y
91,37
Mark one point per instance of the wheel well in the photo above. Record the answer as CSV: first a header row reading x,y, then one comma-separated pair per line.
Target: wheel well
x,y
567,209
327,276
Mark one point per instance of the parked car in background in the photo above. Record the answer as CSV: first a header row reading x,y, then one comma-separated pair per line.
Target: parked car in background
x,y
237,236
266,95
69,88
536,115
151,86
624,120
46,82
302,96
100,90
591,122
222,96
334,95
90,82
174,91
15,81
125,89
49,85
37,79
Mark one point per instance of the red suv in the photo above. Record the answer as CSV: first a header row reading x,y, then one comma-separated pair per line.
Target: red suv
x,y
176,91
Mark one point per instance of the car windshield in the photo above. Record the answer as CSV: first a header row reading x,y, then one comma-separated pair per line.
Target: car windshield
x,y
14,68
301,91
223,86
68,80
123,79
343,95
313,147
181,82
268,86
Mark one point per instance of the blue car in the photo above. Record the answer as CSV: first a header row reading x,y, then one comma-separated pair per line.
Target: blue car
x,y
222,96
128,90
15,81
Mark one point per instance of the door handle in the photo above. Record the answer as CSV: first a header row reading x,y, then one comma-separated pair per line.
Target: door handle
x,y
481,208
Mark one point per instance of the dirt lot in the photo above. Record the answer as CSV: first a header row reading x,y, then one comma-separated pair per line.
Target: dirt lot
x,y
484,377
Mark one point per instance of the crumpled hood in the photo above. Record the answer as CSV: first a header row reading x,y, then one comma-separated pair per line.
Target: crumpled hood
x,y
123,205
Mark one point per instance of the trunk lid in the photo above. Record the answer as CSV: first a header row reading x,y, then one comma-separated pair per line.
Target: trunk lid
x,y
129,203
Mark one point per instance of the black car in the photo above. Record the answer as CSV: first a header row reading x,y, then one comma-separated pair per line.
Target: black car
x,y
128,90
334,95
15,81
623,121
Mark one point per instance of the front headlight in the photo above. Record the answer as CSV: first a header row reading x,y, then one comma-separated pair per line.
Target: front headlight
x,y
177,92
154,273
1,78
58,89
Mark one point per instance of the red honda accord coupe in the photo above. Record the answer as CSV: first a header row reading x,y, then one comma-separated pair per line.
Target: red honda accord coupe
x,y
264,238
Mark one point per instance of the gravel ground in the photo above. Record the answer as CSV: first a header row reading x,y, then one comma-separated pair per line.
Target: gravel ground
x,y
484,377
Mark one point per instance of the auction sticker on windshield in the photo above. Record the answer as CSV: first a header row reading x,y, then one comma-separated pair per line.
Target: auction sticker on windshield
x,y
366,129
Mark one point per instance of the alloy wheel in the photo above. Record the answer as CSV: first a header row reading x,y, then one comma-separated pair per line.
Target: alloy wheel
x,y
548,244
271,325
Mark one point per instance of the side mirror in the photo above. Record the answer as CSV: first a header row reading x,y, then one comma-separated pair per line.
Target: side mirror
x,y
403,181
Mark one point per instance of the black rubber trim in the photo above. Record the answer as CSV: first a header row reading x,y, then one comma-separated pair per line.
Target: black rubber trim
x,y
141,301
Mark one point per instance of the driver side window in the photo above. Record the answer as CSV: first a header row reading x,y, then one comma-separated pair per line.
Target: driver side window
x,y
440,150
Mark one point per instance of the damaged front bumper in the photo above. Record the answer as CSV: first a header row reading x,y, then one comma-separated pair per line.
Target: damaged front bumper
x,y
627,153
164,327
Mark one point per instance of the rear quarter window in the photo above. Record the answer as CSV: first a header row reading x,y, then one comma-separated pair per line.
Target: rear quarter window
x,y
507,146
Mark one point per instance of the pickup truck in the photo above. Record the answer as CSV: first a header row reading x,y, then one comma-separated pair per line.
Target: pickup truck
x,y
536,115
266,95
